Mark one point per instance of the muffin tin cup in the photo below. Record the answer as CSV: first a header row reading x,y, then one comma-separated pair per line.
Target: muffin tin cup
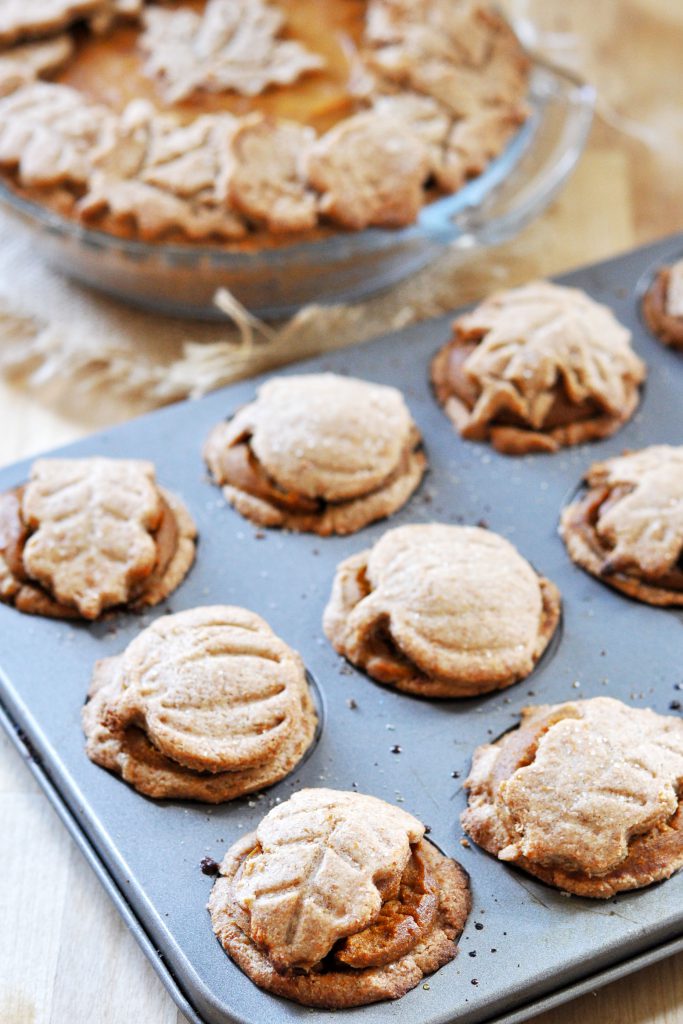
x,y
526,946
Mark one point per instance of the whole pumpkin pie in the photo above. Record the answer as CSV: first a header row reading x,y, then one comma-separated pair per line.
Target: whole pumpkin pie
x,y
627,528
442,611
251,121
585,796
83,536
318,453
537,368
338,900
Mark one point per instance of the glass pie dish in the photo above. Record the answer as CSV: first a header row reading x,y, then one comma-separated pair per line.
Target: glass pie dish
x,y
182,279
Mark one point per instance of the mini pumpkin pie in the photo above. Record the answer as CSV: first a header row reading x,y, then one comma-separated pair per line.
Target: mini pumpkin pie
x,y
86,535
319,453
206,704
627,529
537,368
585,796
247,122
338,900
441,611
663,305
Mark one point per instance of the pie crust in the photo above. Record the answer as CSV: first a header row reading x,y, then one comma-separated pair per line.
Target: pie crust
x,y
211,120
663,305
207,704
83,536
585,796
337,900
441,611
537,368
627,529
318,453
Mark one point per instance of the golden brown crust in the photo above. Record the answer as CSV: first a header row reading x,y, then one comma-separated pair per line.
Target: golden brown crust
x,y
420,869
87,535
320,453
664,324
627,529
585,796
441,611
537,368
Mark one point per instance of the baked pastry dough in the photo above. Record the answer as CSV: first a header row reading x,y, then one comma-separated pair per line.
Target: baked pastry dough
x,y
441,611
276,129
663,305
584,795
319,453
627,529
86,535
337,900
537,368
207,704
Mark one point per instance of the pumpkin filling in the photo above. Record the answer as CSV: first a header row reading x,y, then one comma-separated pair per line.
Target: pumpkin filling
x,y
407,915
240,468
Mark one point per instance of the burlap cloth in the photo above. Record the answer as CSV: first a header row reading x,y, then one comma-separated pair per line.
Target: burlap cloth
x,y
58,338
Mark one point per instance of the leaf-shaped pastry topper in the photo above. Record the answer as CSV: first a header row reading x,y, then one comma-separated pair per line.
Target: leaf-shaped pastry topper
x,y
595,782
542,335
92,520
645,521
233,45
325,864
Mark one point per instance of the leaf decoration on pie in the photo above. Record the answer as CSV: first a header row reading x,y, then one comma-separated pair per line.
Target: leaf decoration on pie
x,y
643,524
534,336
584,795
232,45
214,688
91,520
314,851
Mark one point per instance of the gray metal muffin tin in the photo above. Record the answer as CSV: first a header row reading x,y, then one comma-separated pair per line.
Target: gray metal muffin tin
x,y
526,947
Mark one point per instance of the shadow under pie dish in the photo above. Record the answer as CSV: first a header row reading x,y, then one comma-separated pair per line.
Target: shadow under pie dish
x,y
207,704
83,536
627,528
319,453
338,900
537,368
442,611
585,796
662,305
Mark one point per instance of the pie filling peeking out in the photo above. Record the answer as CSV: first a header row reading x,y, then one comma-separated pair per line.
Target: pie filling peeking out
x,y
338,900
538,368
86,535
663,305
252,122
318,453
207,704
585,796
441,611
627,529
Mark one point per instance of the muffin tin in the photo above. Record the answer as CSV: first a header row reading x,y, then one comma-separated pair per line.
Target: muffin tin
x,y
526,947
